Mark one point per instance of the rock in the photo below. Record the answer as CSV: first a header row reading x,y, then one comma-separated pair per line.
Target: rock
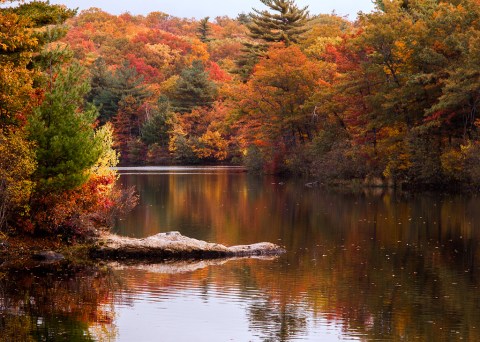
x,y
173,245
48,256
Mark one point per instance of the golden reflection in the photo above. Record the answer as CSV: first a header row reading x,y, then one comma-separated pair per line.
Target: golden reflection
x,y
386,265
381,266
39,302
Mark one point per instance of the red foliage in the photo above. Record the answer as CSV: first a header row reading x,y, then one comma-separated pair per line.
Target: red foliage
x,y
216,73
149,73
162,37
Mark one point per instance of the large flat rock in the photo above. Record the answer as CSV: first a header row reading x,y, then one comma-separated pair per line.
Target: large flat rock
x,y
174,245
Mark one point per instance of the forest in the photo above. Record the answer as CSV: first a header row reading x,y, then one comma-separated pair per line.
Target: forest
x,y
387,99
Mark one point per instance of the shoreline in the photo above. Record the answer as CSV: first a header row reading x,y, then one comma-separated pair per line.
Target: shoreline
x,y
109,247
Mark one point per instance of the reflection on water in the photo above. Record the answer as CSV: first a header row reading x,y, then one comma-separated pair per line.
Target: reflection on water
x,y
369,266
42,302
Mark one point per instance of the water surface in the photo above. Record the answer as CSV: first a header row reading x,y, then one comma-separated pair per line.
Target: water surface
x,y
371,266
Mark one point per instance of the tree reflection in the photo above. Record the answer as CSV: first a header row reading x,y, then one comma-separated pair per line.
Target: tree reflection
x,y
60,302
277,322
384,265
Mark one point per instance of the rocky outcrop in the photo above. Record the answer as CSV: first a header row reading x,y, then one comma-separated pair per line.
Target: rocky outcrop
x,y
173,245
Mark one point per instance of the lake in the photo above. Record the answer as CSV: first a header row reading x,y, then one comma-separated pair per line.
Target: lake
x,y
368,266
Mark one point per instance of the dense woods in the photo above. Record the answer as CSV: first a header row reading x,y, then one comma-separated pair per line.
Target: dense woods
x,y
389,98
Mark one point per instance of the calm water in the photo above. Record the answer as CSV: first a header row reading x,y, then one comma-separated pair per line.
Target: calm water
x,y
372,266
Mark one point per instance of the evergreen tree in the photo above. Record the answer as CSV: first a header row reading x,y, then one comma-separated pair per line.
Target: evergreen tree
x,y
204,30
100,94
286,24
62,130
156,128
193,89
107,89
243,18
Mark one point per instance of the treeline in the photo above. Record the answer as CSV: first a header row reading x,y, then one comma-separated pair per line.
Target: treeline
x,y
392,96
55,160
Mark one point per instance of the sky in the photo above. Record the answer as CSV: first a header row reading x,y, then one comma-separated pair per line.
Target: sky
x,y
214,8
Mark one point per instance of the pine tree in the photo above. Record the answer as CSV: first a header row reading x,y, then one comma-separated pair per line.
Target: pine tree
x,y
107,89
156,128
286,24
62,130
193,89
204,30
100,94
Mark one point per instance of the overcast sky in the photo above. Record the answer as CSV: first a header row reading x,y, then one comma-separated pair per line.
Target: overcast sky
x,y
213,8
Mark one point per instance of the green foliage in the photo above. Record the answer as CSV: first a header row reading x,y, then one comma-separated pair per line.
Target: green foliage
x,y
135,152
155,130
182,150
426,164
204,30
193,89
62,129
42,13
54,166
109,89
253,160
286,24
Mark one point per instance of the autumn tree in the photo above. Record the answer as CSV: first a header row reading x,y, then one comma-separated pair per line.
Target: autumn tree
x,y
17,164
285,22
277,100
200,135
25,30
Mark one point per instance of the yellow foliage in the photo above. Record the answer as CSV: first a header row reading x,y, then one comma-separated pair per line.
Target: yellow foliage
x,y
453,161
213,145
198,52
109,157
17,164
319,47
391,144
169,85
164,53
